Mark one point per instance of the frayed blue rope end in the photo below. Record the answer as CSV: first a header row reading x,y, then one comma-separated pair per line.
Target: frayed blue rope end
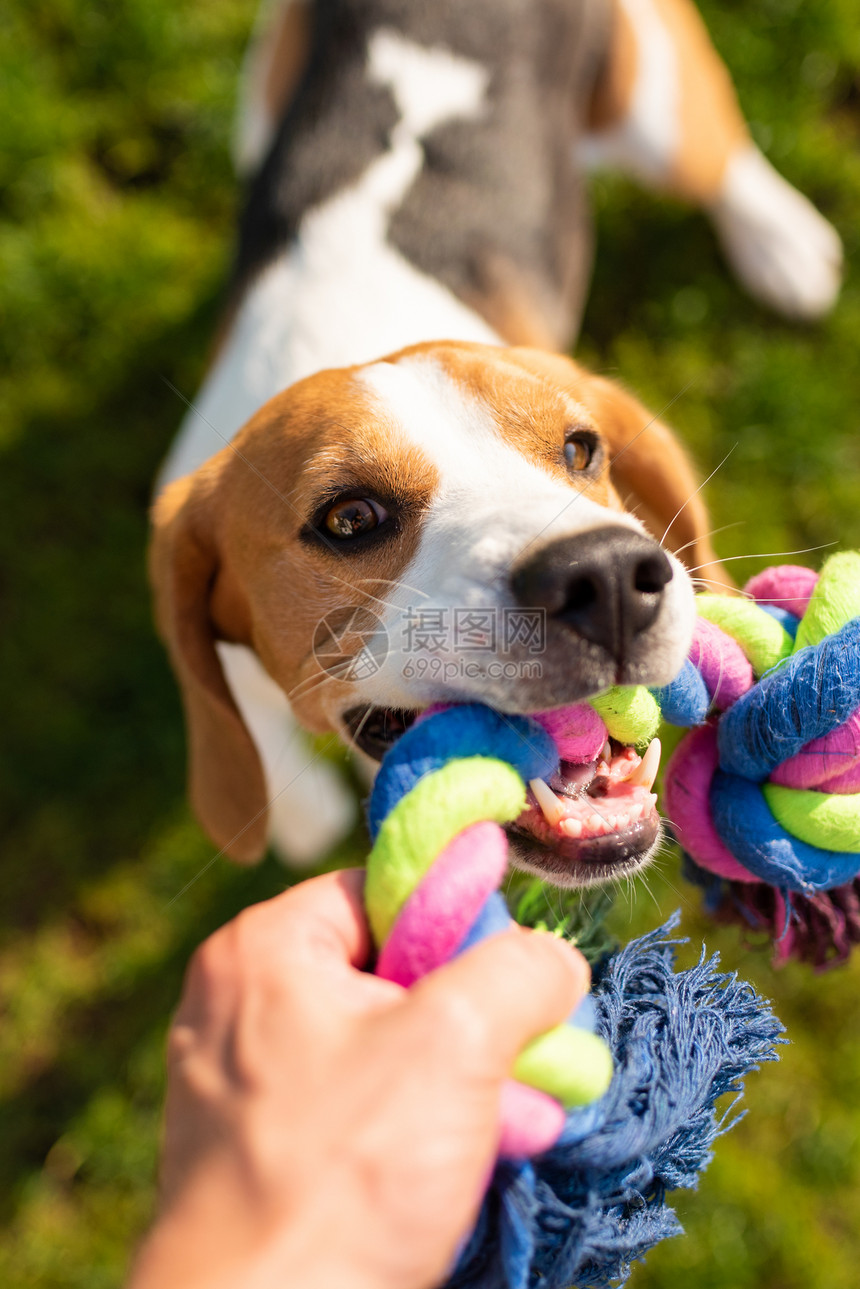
x,y
582,1213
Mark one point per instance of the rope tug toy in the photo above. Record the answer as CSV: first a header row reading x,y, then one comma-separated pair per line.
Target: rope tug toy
x,y
764,792
626,1090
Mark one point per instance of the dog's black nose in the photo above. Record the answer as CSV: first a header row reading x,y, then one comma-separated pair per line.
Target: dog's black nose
x,y
606,584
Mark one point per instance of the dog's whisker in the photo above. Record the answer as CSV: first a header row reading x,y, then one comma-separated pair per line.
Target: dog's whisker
x,y
737,592
703,536
807,550
397,582
643,881
354,737
387,604
695,493
310,683
663,854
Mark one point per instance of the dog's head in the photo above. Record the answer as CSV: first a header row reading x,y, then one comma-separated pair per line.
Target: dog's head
x,y
453,523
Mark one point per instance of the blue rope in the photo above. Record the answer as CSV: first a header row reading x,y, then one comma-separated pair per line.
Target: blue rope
x,y
581,1214
469,730
747,828
809,695
685,701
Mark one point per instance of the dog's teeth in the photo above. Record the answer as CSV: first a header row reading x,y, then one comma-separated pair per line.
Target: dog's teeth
x,y
551,807
646,771
606,752
571,828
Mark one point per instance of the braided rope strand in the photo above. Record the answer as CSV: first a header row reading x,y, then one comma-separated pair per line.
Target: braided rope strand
x,y
433,874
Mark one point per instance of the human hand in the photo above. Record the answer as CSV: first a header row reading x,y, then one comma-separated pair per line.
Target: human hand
x,y
325,1127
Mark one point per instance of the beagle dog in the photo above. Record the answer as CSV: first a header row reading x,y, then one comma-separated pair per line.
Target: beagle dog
x,y
390,491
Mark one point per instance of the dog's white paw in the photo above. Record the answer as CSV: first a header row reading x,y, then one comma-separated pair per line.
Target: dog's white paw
x,y
311,807
312,812
786,254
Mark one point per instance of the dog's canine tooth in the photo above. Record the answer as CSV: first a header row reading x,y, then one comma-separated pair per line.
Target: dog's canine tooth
x,y
551,807
645,773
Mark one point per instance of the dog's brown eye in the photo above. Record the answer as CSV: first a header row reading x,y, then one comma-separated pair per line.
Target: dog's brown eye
x,y
353,518
579,451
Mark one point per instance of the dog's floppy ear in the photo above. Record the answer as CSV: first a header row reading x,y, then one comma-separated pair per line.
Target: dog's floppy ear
x,y
225,776
649,468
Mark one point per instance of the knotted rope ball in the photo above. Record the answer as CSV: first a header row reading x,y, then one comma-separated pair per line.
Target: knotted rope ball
x,y
631,1107
764,792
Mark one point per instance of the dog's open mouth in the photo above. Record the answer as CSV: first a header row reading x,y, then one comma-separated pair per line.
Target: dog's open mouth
x,y
375,729
591,822
588,824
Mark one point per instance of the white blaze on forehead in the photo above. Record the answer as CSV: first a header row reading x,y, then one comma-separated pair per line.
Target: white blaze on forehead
x,y
491,500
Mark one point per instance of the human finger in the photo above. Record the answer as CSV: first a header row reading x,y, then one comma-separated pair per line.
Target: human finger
x,y
320,921
506,991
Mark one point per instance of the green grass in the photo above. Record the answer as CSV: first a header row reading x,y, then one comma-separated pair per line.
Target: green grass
x,y
117,215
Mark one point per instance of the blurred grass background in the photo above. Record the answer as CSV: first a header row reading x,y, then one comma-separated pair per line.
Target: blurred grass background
x,y
117,205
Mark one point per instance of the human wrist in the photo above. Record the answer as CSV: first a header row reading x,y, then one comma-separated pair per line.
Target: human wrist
x,y
190,1249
